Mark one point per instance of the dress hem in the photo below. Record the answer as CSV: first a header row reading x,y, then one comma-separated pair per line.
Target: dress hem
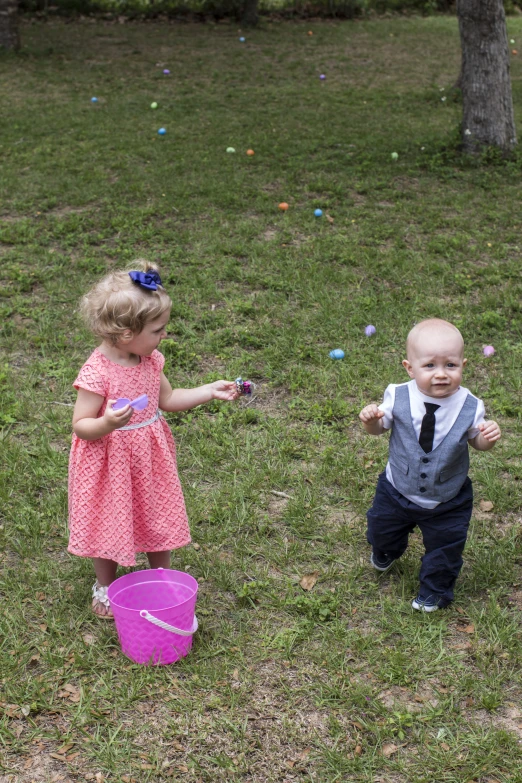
x,y
125,563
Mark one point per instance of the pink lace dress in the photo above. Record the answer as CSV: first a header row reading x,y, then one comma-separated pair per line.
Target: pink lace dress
x,y
124,491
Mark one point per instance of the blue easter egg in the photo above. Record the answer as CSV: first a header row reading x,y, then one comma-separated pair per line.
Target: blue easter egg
x,y
318,213
337,353
162,131
94,100
242,40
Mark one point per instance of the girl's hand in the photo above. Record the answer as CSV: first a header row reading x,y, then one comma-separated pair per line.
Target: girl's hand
x,y
370,413
224,390
116,419
490,431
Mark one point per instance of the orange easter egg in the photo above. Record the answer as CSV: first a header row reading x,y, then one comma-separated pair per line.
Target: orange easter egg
x,y
514,51
310,32
283,206
250,152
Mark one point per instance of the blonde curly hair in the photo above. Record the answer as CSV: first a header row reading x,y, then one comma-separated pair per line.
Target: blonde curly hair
x,y
116,304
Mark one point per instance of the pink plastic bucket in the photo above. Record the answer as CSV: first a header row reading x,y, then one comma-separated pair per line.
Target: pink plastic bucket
x,y
154,614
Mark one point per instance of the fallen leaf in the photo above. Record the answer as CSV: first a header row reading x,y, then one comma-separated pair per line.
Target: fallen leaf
x,y
40,596
358,750
99,777
460,610
308,581
290,763
146,766
468,629
444,746
72,756
89,638
196,546
57,756
486,505
43,627
463,646
66,748
389,749
357,724
29,763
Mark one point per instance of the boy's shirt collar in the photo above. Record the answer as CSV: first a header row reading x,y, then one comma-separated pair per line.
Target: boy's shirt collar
x,y
442,401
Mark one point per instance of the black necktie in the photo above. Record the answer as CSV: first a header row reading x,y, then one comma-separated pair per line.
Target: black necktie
x,y
428,427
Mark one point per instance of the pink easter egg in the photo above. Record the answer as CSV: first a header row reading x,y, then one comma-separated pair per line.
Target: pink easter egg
x,y
488,350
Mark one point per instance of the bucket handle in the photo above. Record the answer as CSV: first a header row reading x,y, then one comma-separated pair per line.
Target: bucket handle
x,y
166,626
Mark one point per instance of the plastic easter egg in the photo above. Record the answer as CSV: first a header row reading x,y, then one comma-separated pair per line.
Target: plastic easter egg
x,y
230,149
337,353
395,156
318,212
369,330
310,32
250,152
242,40
322,77
94,100
283,206
154,105
162,131
166,71
488,350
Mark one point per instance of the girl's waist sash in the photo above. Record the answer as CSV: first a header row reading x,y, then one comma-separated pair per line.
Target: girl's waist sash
x,y
141,423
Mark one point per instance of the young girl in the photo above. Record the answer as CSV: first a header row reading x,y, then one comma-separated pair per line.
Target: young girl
x,y
124,491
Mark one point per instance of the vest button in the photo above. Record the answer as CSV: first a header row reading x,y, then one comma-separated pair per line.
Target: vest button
x,y
422,489
423,475
425,459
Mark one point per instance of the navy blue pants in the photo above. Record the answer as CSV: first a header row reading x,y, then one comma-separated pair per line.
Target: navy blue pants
x,y
444,529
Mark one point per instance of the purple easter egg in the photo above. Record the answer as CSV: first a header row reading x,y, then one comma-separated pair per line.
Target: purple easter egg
x,y
488,350
322,77
369,330
166,71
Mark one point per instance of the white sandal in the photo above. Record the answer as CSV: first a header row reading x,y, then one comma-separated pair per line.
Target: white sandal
x,y
100,599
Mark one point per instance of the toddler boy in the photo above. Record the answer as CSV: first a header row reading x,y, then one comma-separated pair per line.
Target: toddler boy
x,y
426,483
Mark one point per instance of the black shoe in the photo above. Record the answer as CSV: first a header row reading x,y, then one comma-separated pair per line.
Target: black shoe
x,y
382,564
429,604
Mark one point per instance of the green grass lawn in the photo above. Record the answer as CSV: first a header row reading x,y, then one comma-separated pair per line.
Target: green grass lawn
x,y
345,682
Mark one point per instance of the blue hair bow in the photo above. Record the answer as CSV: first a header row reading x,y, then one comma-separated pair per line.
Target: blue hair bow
x,y
148,280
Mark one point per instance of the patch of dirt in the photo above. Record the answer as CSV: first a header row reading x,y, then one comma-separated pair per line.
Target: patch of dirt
x,y
270,401
276,506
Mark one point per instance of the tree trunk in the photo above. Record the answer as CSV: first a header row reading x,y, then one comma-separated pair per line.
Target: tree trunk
x,y
249,16
9,38
486,85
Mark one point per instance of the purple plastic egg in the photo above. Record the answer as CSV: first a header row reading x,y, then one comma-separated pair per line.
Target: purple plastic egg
x,y
488,350
369,330
166,71
322,77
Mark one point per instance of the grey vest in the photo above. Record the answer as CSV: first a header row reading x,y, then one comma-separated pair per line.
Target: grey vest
x,y
440,474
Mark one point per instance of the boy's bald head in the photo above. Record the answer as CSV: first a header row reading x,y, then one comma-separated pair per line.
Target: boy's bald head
x,y
434,333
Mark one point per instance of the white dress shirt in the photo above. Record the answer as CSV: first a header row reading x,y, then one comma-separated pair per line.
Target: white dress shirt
x,y
445,418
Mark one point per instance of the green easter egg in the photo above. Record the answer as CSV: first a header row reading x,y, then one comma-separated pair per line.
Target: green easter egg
x,y
154,105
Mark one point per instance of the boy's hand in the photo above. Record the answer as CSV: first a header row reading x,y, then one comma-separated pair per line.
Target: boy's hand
x,y
370,413
119,418
490,431
224,390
